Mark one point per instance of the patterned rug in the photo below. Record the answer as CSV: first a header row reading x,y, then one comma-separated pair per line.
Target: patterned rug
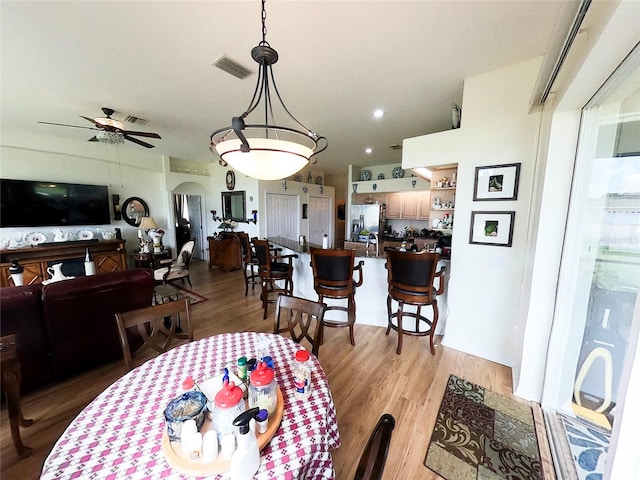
x,y
481,435
170,291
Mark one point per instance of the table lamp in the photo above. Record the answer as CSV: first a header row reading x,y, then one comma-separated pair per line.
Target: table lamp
x,y
146,224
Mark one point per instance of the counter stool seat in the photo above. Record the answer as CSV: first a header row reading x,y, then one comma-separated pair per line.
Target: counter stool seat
x,y
271,271
333,278
411,277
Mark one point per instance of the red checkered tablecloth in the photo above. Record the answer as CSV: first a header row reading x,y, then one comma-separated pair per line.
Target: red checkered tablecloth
x,y
119,434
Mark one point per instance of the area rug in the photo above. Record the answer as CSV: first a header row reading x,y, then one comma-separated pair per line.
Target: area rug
x,y
588,444
170,291
482,435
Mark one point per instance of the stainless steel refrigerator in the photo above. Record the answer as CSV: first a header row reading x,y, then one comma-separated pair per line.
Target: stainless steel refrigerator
x,y
367,217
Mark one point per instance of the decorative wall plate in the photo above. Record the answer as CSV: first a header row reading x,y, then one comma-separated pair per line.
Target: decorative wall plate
x,y
85,235
398,172
365,175
35,238
297,177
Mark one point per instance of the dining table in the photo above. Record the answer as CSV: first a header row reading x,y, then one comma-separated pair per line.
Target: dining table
x,y
119,434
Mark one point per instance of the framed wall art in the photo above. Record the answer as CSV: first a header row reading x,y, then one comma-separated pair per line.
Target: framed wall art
x,y
492,228
496,182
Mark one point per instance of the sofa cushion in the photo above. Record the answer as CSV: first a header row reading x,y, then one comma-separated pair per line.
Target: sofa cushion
x,y
21,314
79,316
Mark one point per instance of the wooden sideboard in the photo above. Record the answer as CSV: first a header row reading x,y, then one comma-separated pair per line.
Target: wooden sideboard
x,y
108,255
226,253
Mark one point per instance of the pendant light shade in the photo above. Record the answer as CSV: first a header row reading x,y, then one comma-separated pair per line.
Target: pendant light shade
x,y
266,151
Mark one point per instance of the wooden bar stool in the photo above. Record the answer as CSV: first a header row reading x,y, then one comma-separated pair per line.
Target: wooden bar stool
x,y
249,261
333,278
271,270
411,278
11,377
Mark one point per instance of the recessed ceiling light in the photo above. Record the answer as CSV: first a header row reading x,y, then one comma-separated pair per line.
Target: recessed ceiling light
x,y
368,150
379,113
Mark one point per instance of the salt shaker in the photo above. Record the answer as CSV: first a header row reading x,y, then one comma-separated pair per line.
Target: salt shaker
x,y
302,375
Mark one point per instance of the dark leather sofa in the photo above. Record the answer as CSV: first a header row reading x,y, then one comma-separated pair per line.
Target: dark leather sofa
x,y
68,327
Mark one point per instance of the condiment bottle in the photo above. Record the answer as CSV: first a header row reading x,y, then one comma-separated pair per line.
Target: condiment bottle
x,y
262,389
262,419
228,405
242,368
302,375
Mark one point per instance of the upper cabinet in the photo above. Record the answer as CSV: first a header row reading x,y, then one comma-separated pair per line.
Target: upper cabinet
x,y
443,197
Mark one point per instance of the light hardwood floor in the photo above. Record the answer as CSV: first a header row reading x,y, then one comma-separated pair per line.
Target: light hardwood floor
x,y
366,381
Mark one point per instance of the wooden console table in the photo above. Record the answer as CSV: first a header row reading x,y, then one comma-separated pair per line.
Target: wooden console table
x,y
225,254
109,256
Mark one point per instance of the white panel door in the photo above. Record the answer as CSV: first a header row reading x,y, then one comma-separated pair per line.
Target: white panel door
x,y
282,216
319,219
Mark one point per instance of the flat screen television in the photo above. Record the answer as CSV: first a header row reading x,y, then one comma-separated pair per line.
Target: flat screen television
x,y
27,203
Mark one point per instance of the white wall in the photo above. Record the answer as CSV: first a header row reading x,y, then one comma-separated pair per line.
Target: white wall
x,y
139,176
485,283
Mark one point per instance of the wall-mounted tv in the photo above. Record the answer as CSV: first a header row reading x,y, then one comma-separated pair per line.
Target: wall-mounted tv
x,y
27,203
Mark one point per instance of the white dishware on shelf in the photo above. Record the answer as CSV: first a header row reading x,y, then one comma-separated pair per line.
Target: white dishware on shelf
x,y
35,238
84,235
60,236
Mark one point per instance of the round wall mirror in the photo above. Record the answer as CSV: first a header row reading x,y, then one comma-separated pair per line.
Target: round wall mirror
x,y
133,209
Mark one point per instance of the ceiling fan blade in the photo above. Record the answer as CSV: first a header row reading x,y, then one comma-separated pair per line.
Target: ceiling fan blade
x,y
139,142
93,139
88,119
66,125
141,134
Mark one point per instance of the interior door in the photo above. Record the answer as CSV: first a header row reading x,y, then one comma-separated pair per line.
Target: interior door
x,y
282,216
195,218
319,219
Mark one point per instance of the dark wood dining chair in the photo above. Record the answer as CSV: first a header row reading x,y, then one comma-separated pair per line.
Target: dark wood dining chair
x,y
374,456
411,277
158,326
249,262
333,278
272,269
301,318
11,383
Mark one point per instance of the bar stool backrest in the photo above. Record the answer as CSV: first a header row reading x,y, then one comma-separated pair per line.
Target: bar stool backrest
x,y
412,272
332,269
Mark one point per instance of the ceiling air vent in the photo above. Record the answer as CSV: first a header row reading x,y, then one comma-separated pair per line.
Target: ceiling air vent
x,y
232,67
135,120
395,146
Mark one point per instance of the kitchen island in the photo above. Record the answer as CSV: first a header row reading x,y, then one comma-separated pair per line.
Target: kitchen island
x,y
371,296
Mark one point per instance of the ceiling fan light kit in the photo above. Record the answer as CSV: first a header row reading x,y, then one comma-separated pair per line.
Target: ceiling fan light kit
x,y
109,137
265,151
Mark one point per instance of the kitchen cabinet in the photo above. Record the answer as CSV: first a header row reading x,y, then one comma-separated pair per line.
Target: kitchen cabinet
x,y
443,197
424,205
409,205
394,205
412,205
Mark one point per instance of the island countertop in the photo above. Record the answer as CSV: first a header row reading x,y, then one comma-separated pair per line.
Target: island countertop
x,y
370,296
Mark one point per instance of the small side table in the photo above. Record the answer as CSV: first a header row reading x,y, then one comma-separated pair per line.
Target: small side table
x,y
11,377
150,261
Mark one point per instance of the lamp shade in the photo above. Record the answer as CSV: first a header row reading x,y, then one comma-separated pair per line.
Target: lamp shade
x,y
269,158
147,223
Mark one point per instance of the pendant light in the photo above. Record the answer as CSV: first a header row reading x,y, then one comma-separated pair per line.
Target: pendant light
x,y
265,151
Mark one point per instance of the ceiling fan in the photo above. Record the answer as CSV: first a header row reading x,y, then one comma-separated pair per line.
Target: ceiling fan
x,y
111,130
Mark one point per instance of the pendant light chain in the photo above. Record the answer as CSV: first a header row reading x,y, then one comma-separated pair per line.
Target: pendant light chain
x,y
264,22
